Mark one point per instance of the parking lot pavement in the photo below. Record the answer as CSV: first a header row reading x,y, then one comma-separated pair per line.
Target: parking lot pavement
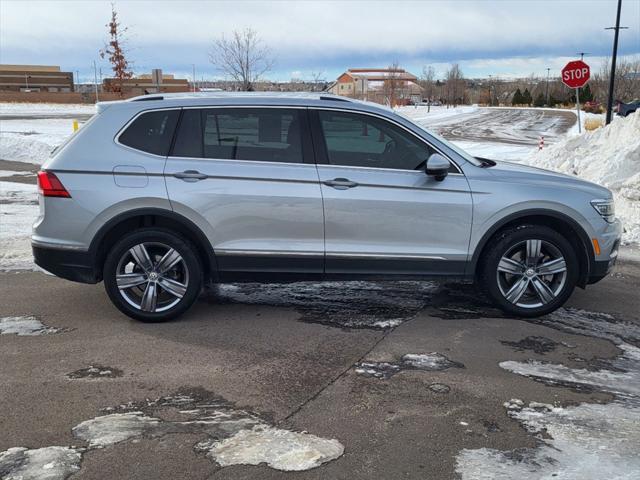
x,y
359,380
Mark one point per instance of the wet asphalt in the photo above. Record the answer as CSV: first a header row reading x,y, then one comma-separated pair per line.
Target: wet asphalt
x,y
293,355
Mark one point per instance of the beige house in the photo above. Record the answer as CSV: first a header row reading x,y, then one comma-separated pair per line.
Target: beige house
x,y
382,85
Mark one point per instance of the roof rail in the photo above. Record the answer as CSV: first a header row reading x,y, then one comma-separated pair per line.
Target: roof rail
x,y
145,98
334,98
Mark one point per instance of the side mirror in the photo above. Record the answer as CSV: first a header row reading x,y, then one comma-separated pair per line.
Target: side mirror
x,y
437,166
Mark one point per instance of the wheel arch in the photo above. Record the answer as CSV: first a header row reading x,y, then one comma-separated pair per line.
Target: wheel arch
x,y
560,222
113,230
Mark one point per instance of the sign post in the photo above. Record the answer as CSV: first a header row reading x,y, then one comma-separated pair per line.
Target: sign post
x,y
574,75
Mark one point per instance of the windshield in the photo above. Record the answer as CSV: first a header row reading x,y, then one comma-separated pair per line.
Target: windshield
x,y
468,157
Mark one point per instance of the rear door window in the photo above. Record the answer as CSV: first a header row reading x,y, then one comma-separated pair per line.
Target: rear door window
x,y
267,134
151,132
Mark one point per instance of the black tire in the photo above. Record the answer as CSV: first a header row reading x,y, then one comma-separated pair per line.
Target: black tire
x,y
497,283
183,281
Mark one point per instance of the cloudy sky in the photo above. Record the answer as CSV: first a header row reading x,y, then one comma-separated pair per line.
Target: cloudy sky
x,y
507,38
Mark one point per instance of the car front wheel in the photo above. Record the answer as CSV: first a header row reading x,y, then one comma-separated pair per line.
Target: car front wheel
x,y
530,270
152,275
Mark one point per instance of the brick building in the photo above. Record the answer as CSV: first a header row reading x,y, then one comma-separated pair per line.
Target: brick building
x,y
34,78
148,83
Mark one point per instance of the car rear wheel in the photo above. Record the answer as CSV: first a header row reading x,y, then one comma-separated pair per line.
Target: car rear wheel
x,y
530,270
152,275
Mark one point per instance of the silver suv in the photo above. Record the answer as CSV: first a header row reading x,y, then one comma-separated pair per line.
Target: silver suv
x,y
160,194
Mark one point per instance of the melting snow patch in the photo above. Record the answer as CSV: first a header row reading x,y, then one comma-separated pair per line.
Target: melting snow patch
x,y
48,463
117,427
25,326
280,449
589,441
429,361
433,361
233,436
96,371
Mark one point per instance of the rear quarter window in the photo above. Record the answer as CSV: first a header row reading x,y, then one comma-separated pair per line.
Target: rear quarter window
x,y
151,132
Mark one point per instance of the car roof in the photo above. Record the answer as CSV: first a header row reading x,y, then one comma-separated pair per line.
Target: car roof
x,y
204,99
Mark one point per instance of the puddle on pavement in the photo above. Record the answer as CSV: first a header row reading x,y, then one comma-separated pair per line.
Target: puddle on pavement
x,y
358,304
539,345
431,362
231,436
587,441
96,371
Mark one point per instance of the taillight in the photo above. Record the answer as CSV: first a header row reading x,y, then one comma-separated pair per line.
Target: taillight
x,y
51,186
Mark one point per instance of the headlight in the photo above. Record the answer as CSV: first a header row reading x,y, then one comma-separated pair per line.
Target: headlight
x,y
606,208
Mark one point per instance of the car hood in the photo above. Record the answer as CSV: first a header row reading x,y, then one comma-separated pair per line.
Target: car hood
x,y
518,172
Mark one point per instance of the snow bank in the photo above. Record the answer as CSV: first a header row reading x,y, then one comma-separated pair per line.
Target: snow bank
x,y
18,108
609,156
32,140
18,211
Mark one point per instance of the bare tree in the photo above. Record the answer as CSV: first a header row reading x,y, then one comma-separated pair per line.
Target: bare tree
x,y
318,79
455,85
427,82
115,52
627,84
243,57
392,85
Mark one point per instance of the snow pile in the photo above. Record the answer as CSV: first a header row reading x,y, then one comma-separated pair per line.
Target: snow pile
x,y
609,156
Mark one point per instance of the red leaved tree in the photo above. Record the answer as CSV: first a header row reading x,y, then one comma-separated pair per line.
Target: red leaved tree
x,y
115,53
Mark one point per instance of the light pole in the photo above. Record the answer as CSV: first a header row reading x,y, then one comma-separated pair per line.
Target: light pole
x,y
194,76
617,29
547,94
95,79
26,82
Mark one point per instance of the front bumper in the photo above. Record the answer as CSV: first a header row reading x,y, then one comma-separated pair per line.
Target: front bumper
x,y
74,265
609,241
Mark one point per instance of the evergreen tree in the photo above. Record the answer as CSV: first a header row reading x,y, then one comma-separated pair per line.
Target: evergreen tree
x,y
517,98
539,101
585,94
526,97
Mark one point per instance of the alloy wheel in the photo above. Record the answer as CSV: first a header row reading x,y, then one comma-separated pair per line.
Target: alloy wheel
x,y
152,277
532,273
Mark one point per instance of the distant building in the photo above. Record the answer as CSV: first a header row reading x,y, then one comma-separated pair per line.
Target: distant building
x,y
155,82
378,85
34,78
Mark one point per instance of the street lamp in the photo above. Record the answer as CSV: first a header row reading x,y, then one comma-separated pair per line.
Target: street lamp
x,y
547,94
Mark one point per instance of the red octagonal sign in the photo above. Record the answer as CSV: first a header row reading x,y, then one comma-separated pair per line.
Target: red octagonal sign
x,y
575,74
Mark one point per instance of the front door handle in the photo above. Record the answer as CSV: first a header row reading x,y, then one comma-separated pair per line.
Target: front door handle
x,y
190,175
340,183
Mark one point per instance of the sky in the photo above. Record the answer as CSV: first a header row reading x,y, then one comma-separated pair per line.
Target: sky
x,y
507,38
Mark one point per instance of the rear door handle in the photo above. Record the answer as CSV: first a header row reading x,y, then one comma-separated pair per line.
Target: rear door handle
x,y
190,175
340,183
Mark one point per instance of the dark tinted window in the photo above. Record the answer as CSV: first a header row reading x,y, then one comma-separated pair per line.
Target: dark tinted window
x,y
365,141
151,132
268,134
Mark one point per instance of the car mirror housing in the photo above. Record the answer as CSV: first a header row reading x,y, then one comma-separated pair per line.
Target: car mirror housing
x,y
437,167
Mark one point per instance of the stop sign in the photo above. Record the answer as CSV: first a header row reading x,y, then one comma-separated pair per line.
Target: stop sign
x,y
575,74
